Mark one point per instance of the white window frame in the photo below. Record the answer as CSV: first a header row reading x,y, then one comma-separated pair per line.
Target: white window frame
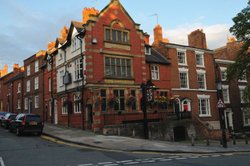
x,y
36,101
49,83
208,107
77,104
202,56
244,110
36,66
223,70
26,103
28,70
227,98
19,87
155,72
244,77
61,75
184,54
64,108
241,90
36,81
78,69
75,44
202,72
18,103
184,70
147,50
28,86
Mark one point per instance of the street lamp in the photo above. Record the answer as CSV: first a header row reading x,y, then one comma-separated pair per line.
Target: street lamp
x,y
221,107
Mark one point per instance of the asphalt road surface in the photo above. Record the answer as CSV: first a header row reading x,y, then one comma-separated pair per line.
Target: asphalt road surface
x,y
31,150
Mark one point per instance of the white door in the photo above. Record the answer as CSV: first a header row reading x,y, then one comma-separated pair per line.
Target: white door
x,y
229,118
55,112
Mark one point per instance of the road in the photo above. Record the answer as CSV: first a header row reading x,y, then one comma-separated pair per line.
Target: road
x,y
30,150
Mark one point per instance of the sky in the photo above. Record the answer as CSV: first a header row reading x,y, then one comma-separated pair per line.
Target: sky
x,y
27,26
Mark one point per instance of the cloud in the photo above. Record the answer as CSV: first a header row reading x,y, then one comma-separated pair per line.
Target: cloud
x,y
216,35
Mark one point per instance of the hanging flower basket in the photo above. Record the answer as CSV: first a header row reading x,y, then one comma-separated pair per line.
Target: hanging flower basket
x,y
131,101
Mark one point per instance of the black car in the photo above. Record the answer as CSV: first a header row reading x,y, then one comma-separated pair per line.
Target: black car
x,y
7,118
2,114
26,123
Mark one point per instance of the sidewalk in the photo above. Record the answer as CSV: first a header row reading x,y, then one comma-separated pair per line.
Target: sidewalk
x,y
88,138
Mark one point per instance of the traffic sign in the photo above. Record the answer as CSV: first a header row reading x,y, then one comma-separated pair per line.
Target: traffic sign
x,y
220,104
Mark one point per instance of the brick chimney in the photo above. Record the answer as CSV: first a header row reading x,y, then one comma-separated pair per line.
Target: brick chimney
x,y
197,39
4,71
87,12
146,38
15,67
157,34
64,33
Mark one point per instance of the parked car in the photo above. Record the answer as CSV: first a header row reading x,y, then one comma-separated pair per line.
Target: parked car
x,y
26,123
7,118
2,114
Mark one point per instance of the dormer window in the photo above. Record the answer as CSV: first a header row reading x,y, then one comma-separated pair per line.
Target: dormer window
x,y
75,44
148,50
117,36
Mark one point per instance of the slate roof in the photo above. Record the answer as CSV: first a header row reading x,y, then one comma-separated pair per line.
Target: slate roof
x,y
78,25
17,77
156,57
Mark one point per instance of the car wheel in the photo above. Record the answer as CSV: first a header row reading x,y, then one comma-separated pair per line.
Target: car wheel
x,y
18,132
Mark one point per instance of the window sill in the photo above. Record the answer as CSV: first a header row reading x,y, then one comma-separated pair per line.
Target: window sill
x,y
118,78
182,64
120,43
205,116
200,66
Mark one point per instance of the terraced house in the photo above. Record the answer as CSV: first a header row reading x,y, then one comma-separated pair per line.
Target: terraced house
x,y
91,77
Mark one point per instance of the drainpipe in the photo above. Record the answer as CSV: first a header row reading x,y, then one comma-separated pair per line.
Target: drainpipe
x,y
80,36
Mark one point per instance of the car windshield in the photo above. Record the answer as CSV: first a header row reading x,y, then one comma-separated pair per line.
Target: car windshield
x,y
7,115
30,118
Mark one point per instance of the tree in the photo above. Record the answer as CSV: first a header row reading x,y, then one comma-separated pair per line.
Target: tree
x,y
241,30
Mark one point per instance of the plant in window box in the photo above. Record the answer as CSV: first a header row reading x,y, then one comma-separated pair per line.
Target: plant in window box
x,y
161,102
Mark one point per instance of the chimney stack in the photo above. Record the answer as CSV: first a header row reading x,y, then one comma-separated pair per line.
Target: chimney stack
x,y
197,39
146,38
87,12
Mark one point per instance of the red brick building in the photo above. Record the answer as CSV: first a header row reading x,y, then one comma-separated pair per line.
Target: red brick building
x,y
11,90
237,114
114,65
33,84
193,84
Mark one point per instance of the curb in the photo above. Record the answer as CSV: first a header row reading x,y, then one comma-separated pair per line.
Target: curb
x,y
143,150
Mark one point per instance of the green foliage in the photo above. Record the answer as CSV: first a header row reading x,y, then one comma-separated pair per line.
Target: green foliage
x,y
241,29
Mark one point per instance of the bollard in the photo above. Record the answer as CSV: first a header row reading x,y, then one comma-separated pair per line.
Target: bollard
x,y
150,135
133,133
207,142
192,139
119,132
234,139
246,139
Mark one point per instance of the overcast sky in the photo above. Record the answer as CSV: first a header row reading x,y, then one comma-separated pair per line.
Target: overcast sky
x,y
28,25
